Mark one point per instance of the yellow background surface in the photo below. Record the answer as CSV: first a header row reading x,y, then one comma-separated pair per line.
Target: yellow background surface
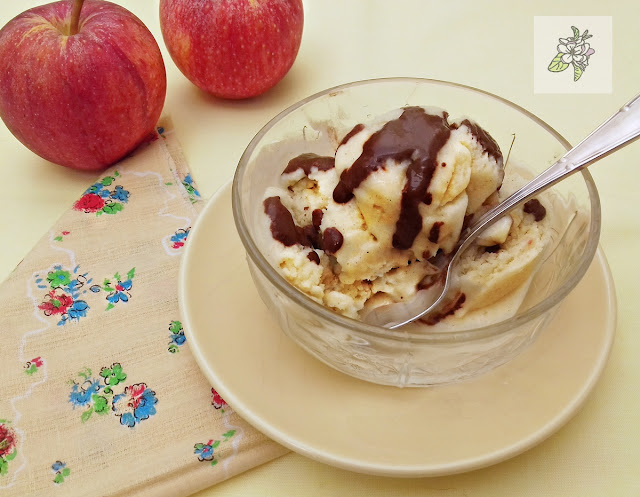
x,y
488,45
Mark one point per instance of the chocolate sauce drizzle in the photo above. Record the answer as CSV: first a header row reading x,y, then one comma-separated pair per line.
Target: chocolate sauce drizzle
x,y
332,240
308,161
316,218
356,129
434,233
448,309
534,207
415,136
485,140
284,229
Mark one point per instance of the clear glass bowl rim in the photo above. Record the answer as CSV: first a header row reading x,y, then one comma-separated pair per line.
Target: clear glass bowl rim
x,y
364,329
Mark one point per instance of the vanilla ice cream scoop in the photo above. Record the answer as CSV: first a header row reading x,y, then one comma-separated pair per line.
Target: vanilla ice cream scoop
x,y
408,180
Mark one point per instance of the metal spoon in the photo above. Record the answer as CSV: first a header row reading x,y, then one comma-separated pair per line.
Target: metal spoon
x,y
619,130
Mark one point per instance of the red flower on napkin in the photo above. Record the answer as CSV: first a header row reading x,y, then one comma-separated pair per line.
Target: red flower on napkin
x,y
7,440
217,402
58,303
89,202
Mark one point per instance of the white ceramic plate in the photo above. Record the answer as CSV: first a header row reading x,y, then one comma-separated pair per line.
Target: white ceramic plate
x,y
333,418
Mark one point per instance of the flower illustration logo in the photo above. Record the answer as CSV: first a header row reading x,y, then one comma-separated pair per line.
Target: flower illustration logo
x,y
573,51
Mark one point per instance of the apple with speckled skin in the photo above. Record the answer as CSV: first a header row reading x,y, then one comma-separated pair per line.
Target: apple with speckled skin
x,y
232,48
82,82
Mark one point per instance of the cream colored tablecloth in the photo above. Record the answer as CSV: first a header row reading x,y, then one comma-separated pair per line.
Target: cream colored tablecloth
x,y
488,45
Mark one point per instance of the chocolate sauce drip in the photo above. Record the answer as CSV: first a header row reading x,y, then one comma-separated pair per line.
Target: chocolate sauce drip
x,y
283,228
485,139
316,218
428,198
313,257
308,161
356,129
415,136
534,207
434,233
466,222
449,308
313,235
332,240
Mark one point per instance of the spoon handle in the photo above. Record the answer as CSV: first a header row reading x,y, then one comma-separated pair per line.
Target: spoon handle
x,y
619,130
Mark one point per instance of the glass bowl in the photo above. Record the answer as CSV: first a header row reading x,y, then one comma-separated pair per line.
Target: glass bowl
x,y
409,356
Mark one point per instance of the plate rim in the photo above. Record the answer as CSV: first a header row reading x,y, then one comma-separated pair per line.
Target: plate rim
x,y
406,471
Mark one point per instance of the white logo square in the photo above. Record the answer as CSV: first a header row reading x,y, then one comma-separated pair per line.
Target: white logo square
x,y
572,54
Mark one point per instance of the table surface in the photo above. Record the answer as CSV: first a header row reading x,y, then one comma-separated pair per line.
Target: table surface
x,y
488,45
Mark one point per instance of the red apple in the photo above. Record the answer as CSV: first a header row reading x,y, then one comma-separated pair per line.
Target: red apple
x,y
232,48
81,85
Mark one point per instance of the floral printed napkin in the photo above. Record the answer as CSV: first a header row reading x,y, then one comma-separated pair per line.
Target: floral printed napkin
x,y
99,393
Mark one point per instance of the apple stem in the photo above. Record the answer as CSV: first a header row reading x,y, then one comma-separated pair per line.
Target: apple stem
x,y
75,16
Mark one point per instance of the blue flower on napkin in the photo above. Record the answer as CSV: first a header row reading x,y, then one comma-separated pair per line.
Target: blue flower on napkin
x,y
77,310
136,404
178,339
179,237
120,194
98,189
194,194
205,451
60,471
81,394
176,335
121,293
